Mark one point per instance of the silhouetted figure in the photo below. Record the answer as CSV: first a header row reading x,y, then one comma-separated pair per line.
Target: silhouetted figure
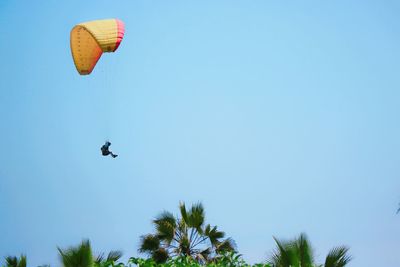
x,y
105,150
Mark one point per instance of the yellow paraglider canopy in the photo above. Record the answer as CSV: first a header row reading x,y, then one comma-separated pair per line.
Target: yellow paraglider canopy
x,y
90,39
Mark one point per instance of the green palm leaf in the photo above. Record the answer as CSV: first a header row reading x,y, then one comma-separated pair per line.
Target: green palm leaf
x,y
299,253
228,245
12,261
99,259
114,255
338,257
80,256
160,255
165,225
304,251
196,216
214,235
184,213
284,255
149,244
165,216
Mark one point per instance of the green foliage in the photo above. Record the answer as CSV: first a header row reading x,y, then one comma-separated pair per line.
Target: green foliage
x,y
185,236
232,259
338,257
111,260
187,241
293,253
227,259
80,256
149,243
299,253
12,261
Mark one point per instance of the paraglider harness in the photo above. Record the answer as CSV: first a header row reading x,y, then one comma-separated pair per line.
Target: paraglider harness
x,y
105,150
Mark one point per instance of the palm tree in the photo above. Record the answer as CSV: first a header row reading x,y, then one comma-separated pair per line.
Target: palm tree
x,y
111,259
185,236
299,253
12,261
80,256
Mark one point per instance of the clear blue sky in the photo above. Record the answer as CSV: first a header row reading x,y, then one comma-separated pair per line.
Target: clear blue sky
x,y
281,117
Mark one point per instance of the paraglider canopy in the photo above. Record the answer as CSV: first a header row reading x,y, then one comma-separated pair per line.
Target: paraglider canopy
x,y
89,40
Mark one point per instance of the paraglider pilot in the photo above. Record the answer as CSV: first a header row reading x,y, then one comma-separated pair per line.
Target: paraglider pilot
x,y
105,150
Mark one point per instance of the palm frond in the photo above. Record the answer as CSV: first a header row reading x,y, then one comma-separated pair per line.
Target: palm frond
x,y
203,256
304,250
11,261
184,213
165,225
99,259
338,257
284,255
165,216
184,246
22,261
80,256
196,216
165,231
114,255
207,230
225,246
214,235
149,243
160,255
